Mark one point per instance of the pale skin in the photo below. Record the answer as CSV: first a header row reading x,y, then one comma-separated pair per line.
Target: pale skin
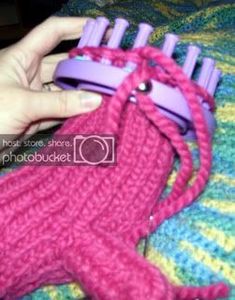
x,y
26,106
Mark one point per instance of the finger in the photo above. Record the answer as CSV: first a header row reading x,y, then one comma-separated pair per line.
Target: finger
x,y
45,37
48,66
50,62
62,104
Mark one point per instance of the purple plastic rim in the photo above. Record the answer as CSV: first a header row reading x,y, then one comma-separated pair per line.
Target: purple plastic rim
x,y
76,74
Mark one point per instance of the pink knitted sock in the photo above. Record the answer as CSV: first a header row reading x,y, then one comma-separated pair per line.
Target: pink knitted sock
x,y
63,224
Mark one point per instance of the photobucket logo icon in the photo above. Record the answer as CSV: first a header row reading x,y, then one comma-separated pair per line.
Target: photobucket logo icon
x,y
94,149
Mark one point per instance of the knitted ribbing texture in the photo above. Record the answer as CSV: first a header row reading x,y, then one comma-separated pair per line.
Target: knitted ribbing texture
x,y
62,224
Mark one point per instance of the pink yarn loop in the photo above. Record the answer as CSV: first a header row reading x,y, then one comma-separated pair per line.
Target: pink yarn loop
x,y
62,224
168,72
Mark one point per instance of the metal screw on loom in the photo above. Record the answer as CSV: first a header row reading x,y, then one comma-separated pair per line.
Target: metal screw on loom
x,y
145,87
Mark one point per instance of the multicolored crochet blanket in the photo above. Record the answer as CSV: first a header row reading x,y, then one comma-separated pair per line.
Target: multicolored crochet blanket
x,y
196,247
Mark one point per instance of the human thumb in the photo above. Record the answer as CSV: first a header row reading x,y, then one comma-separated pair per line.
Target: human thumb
x,y
61,104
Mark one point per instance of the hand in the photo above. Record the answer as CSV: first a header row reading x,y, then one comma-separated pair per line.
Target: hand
x,y
25,106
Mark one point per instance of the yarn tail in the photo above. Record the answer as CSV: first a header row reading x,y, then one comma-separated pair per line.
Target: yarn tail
x,y
108,269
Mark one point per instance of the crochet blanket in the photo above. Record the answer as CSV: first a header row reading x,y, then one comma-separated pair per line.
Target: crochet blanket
x,y
196,247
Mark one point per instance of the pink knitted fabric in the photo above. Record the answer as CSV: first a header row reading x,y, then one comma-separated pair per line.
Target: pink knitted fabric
x,y
82,224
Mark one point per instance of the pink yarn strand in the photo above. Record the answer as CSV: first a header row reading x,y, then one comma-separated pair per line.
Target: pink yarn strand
x,y
81,224
181,195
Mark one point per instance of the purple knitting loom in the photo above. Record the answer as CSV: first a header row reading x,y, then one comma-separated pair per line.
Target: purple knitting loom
x,y
83,73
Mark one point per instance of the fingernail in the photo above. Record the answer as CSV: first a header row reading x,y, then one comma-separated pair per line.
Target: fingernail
x,y
90,100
